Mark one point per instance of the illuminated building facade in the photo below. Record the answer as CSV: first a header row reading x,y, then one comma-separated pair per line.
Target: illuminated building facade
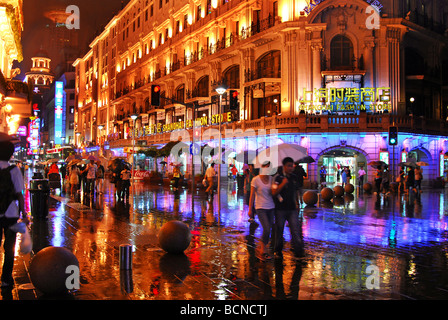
x,y
14,94
330,75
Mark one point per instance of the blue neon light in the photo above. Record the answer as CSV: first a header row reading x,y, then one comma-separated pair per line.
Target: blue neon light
x,y
58,111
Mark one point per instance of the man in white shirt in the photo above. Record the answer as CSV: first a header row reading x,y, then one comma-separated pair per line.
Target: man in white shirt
x,y
361,174
11,212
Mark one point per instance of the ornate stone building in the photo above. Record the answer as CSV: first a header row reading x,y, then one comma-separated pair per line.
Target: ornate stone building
x,y
330,75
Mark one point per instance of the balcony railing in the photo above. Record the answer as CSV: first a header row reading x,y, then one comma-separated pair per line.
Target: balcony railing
x,y
309,123
221,44
18,88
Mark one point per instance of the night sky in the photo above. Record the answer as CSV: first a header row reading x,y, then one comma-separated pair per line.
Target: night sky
x,y
94,15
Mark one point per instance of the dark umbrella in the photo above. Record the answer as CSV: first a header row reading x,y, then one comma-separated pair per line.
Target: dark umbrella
x,y
377,163
307,159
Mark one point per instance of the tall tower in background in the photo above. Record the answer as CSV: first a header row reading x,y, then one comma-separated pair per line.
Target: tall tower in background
x,y
61,42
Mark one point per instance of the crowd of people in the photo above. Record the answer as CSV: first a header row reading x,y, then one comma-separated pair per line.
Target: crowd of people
x,y
89,178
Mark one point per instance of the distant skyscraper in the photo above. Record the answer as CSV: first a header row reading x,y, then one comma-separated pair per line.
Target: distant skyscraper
x,y
61,42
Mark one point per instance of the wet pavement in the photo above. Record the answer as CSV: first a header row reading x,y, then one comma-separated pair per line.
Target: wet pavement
x,y
346,241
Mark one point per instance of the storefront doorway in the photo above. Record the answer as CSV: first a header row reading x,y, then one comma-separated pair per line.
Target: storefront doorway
x,y
337,159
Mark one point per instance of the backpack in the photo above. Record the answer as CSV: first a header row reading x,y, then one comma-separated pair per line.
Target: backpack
x,y
7,192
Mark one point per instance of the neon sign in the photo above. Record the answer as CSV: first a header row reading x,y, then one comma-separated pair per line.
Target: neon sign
x,y
58,111
33,138
346,99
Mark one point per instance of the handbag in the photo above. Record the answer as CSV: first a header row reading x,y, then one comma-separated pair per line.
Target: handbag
x,y
26,244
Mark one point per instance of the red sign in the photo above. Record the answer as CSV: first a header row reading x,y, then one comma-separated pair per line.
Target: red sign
x,y
141,174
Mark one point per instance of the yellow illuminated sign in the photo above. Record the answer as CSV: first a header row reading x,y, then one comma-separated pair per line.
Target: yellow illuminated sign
x,y
202,121
346,99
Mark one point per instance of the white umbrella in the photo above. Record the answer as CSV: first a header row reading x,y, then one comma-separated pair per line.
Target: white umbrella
x,y
277,153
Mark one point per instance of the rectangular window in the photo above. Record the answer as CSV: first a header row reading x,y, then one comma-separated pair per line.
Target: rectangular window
x,y
198,13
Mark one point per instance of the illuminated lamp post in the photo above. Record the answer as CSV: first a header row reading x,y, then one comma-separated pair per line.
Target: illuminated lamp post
x,y
220,89
133,117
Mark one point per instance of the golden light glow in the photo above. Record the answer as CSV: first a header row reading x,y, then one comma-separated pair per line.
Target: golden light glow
x,y
13,123
214,4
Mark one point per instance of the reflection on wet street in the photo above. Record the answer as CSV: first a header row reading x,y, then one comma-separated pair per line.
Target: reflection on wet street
x,y
346,240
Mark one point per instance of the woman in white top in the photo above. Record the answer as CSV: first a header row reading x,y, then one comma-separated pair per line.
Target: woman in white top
x,y
260,194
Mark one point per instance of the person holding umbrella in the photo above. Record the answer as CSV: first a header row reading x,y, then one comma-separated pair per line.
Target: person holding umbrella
x,y
418,179
284,191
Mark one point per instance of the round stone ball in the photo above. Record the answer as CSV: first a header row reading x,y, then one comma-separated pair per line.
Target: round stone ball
x,y
367,187
48,269
310,197
338,191
349,188
327,194
174,237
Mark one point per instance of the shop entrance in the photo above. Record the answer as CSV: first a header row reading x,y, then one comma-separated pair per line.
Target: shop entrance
x,y
337,159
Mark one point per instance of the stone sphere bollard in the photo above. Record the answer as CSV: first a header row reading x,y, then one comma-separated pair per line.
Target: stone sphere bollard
x,y
367,187
349,188
49,270
327,194
338,191
174,237
310,197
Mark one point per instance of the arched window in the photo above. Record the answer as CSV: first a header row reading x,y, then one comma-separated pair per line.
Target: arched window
x,y
341,53
202,87
269,65
232,77
180,93
147,104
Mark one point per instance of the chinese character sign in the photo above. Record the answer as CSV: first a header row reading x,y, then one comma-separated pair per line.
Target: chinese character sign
x,y
346,99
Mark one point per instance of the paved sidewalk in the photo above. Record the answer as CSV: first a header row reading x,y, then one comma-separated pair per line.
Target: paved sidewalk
x,y
405,240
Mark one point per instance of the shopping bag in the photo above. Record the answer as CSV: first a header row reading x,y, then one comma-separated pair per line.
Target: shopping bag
x,y
26,244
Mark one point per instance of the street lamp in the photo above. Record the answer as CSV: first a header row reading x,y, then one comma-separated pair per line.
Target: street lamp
x,y
220,89
133,117
412,99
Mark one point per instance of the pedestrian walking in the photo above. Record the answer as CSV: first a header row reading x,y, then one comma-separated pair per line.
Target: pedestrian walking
x,y
91,176
234,171
261,199
401,180
11,206
301,175
361,174
74,179
344,177
385,179
323,177
410,180
100,177
248,176
126,182
176,177
418,179
284,191
378,179
210,175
